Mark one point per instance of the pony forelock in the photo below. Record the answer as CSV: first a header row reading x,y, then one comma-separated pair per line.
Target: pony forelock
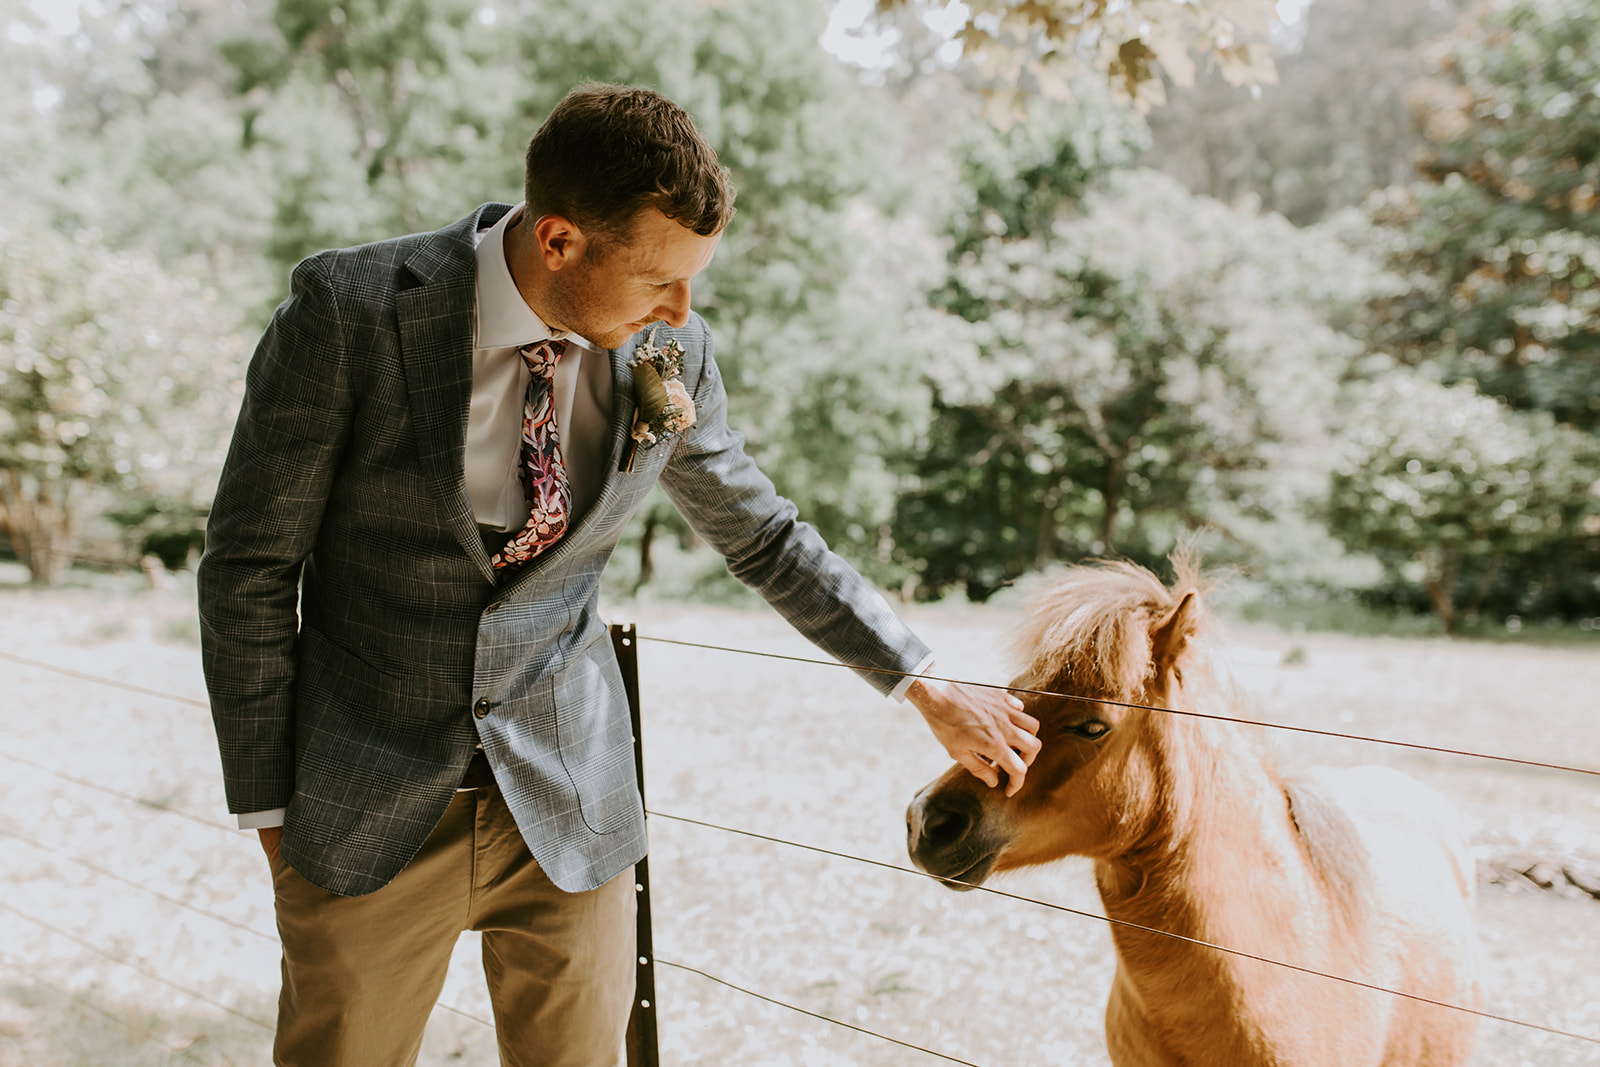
x,y
1089,626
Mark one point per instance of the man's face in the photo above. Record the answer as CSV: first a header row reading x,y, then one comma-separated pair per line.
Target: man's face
x,y
636,279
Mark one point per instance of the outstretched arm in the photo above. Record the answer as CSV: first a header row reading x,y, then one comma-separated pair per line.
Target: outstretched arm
x,y
984,729
738,511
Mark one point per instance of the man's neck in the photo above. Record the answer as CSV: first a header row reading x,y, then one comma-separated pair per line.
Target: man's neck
x,y
522,262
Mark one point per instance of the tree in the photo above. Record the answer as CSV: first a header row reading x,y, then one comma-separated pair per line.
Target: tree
x,y
1025,46
1144,358
377,117
1445,486
1502,244
1335,126
139,144
1499,252
113,375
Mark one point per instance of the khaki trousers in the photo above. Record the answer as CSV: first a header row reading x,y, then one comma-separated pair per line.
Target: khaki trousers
x,y
361,974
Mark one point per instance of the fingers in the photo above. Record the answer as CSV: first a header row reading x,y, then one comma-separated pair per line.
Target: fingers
x,y
994,755
1016,771
985,730
1011,744
1026,747
1021,719
980,768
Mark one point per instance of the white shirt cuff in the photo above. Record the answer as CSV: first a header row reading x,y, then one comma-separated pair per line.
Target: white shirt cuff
x,y
899,691
260,820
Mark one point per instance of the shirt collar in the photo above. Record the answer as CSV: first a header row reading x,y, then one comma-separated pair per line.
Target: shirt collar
x,y
504,319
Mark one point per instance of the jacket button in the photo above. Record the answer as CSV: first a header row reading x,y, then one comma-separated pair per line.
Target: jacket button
x,y
481,708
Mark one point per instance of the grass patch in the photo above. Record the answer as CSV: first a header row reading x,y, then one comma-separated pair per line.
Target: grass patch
x,y
1324,615
1348,615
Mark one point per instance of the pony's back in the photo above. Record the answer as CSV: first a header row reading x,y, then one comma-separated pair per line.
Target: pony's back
x,y
1395,851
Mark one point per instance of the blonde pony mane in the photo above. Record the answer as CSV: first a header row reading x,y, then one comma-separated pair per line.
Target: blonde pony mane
x,y
1088,628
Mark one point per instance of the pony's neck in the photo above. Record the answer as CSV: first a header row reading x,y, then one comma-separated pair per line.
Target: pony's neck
x,y
1217,860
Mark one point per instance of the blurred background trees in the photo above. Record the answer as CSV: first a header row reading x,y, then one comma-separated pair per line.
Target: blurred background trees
x,y
1447,486
1043,291
120,385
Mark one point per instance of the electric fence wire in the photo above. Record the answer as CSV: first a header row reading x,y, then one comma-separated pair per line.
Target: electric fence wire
x,y
1140,707
133,1028
82,676
96,869
99,870
1129,925
84,943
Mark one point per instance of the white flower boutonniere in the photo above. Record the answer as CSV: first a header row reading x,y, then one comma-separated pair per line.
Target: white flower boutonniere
x,y
664,409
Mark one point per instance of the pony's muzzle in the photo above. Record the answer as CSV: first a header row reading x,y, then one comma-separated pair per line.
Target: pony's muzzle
x,y
944,836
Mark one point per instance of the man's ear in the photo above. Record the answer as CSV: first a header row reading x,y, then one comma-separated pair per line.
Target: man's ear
x,y
559,241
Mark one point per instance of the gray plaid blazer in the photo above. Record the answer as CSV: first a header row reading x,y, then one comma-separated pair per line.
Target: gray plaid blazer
x,y
357,644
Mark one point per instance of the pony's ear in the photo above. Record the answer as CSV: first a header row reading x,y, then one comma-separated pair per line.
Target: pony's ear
x,y
1170,636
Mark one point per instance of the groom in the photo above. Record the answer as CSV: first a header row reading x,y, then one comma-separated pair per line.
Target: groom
x,y
415,699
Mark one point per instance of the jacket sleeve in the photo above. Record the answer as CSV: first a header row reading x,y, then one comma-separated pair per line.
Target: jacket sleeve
x,y
738,511
292,429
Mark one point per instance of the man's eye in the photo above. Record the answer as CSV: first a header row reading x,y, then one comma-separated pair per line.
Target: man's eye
x,y
1090,729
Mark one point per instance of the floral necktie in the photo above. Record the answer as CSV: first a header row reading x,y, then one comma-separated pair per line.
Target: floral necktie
x,y
544,475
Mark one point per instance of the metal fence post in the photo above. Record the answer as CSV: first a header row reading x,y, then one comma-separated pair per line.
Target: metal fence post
x,y
643,1045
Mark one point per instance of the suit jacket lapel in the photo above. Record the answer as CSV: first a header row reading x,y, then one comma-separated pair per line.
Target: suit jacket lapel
x,y
622,405
436,327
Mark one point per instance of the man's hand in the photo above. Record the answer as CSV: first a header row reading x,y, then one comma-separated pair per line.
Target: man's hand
x,y
985,730
271,838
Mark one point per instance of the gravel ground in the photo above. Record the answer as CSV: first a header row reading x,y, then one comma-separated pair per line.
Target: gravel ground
x,y
136,926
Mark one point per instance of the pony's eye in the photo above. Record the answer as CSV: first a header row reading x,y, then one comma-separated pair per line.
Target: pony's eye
x,y
1091,729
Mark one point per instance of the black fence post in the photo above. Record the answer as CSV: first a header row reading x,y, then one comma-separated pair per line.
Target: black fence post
x,y
643,1045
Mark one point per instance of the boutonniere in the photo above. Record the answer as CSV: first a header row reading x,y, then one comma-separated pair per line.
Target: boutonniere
x,y
664,408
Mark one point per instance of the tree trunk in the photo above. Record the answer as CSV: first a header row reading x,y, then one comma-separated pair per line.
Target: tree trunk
x,y
1045,544
1440,585
1111,496
1485,581
647,569
40,516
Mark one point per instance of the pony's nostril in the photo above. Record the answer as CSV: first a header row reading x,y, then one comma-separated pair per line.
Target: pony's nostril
x,y
944,827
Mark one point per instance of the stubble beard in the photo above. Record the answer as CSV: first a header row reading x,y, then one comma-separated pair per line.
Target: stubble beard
x,y
575,307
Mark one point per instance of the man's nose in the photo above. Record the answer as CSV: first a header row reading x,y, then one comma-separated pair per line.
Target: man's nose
x,y
674,306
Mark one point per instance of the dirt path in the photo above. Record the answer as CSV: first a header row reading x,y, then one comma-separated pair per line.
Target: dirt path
x,y
136,928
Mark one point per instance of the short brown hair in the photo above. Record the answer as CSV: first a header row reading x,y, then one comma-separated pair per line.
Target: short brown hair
x,y
607,151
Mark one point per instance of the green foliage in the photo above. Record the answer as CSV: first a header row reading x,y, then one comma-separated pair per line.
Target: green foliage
x,y
138,145
413,107
1024,46
966,351
1014,183
1498,253
1503,250
1336,126
1443,484
1150,363
113,373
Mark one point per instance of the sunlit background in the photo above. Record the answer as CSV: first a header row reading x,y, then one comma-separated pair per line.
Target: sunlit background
x,y
1308,287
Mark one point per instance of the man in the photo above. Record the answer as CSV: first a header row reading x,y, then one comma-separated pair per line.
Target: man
x,y
415,700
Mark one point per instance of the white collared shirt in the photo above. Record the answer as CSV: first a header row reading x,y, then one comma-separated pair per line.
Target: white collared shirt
x,y
503,322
